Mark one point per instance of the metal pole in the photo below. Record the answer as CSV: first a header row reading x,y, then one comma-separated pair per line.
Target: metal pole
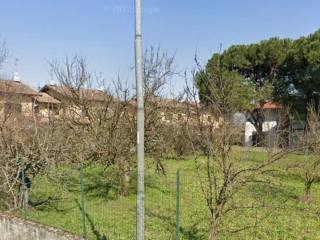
x,y
83,213
178,206
140,122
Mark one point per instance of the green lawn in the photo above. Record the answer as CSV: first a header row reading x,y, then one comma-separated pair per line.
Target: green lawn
x,y
283,216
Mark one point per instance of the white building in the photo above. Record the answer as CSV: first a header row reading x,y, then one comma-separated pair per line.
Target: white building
x,y
270,113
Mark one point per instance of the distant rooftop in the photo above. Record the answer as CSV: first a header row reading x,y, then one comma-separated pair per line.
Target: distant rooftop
x,y
269,105
45,98
16,87
88,94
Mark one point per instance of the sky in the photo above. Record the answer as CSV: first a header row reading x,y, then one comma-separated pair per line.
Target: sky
x,y
39,31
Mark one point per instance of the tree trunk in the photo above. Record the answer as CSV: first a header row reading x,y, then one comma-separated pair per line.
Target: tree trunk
x,y
214,233
256,118
306,198
159,166
125,179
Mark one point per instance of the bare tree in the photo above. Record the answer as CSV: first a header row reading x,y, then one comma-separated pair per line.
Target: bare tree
x,y
102,122
222,175
26,145
309,165
98,120
158,68
22,139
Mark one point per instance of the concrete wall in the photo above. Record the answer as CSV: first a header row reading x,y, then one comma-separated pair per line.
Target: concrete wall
x,y
12,228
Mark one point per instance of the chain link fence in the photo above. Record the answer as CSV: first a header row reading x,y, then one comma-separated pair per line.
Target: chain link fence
x,y
84,200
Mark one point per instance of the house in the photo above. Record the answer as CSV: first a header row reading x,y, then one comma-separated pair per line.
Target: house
x,y
174,111
71,99
71,102
270,113
66,94
45,106
16,98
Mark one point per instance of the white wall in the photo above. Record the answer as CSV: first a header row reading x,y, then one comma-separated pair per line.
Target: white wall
x,y
250,129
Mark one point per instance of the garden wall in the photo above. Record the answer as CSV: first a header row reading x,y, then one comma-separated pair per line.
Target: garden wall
x,y
12,228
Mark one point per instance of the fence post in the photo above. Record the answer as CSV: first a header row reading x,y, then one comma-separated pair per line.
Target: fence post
x,y
178,206
84,227
24,196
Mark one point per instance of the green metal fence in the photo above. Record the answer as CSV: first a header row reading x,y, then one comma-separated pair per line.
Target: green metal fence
x,y
83,200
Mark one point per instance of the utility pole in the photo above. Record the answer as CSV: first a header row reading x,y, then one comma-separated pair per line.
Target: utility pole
x,y
140,122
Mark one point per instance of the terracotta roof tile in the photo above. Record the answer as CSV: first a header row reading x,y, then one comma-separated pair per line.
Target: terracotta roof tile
x,y
13,87
88,94
269,105
45,98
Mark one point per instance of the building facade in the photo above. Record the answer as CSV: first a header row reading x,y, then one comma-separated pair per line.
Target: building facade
x,y
270,113
17,98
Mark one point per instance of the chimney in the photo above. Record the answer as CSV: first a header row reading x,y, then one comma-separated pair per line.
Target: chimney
x,y
16,77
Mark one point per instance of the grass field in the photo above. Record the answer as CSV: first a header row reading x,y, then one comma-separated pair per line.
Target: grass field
x,y
282,216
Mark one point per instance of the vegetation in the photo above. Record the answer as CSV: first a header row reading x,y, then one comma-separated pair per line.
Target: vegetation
x,y
291,67
284,70
309,166
226,192
222,177
273,208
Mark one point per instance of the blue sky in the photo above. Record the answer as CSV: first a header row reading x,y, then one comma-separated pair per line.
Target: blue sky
x,y
37,31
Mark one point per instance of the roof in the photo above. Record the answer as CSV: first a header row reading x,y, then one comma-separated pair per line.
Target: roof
x,y
14,87
88,94
45,98
269,105
167,102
